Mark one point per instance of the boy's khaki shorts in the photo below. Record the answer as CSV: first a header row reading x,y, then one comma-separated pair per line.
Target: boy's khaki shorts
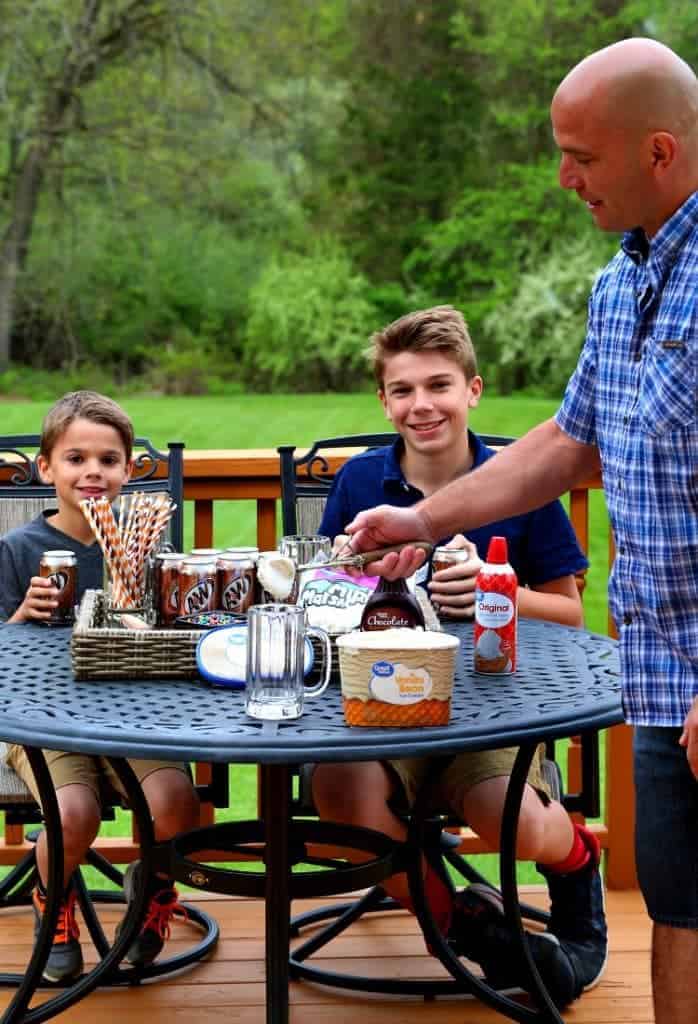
x,y
465,771
94,772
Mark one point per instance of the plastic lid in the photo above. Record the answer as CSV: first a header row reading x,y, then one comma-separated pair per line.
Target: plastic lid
x,y
221,656
497,553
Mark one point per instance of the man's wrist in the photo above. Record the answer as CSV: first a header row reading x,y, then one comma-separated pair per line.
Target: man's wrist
x,y
429,530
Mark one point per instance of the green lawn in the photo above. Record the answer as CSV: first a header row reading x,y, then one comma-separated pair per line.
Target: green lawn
x,y
261,421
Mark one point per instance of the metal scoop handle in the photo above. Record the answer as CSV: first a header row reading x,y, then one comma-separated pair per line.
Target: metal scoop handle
x,y
361,558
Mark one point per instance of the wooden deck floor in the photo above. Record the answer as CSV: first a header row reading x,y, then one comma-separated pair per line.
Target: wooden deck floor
x,y
230,986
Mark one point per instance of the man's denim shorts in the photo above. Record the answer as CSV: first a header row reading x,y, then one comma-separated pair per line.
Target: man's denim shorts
x,y
666,833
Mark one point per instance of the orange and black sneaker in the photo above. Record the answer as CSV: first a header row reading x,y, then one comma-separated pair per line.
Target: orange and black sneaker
x,y
163,905
65,959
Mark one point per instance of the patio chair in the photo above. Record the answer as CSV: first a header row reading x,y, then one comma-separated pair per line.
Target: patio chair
x,y
22,496
305,483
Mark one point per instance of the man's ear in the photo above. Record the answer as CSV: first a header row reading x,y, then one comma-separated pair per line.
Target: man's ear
x,y
45,471
663,150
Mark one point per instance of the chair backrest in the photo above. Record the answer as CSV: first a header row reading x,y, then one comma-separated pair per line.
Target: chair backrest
x,y
23,494
306,480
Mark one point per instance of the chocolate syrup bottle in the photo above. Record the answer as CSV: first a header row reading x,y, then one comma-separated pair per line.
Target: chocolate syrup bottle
x,y
391,605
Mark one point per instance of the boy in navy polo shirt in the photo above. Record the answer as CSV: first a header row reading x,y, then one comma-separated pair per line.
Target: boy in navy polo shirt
x,y
427,379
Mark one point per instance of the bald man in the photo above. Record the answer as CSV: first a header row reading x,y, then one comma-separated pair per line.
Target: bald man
x,y
626,122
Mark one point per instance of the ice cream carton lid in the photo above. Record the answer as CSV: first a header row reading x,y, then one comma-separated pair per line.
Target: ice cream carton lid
x,y
398,639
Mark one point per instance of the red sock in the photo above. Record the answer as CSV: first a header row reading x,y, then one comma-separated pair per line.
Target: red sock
x,y
439,899
584,846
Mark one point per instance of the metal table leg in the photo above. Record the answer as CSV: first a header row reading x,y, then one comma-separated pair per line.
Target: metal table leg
x,y
545,1012
17,1010
507,862
54,891
276,808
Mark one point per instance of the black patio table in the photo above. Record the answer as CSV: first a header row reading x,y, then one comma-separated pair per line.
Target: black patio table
x,y
567,682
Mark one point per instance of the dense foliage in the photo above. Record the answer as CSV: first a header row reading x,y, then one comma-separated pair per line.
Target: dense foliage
x,y
209,196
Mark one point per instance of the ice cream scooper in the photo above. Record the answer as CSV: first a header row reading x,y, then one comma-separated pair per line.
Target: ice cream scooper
x,y
277,575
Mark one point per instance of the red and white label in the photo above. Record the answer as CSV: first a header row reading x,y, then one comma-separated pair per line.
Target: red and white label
x,y
495,621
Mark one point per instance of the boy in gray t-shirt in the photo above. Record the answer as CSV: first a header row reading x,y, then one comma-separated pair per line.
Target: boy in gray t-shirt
x,y
85,452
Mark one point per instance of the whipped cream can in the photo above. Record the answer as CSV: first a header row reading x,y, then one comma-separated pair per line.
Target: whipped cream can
x,y
496,588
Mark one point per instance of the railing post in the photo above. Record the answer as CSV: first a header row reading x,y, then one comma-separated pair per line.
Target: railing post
x,y
620,809
203,523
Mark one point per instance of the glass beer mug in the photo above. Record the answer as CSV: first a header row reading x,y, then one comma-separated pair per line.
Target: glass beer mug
x,y
276,652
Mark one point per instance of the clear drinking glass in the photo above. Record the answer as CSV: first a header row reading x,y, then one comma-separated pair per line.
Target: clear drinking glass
x,y
276,634
304,549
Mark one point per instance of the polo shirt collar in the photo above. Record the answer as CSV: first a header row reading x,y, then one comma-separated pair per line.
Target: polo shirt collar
x,y
393,477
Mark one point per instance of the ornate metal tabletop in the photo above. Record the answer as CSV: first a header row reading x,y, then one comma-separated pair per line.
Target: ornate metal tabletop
x,y
567,681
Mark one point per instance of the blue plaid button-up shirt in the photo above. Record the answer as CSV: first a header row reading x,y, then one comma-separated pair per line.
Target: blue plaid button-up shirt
x,y
633,395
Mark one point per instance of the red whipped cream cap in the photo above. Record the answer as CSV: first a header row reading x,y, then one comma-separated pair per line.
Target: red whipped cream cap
x,y
497,553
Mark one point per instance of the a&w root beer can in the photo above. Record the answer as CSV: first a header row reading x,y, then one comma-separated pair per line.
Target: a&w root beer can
x,y
61,568
198,590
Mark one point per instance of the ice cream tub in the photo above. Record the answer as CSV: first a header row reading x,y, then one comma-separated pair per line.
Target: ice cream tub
x,y
397,677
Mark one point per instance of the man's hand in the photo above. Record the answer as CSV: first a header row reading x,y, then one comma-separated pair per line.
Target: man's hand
x,y
452,590
689,738
39,601
383,526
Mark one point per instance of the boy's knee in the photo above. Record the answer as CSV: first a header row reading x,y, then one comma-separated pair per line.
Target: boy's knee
x,y
80,814
172,800
530,839
335,790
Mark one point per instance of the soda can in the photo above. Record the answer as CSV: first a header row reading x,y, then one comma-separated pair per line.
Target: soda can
x,y
166,586
198,589
61,568
237,582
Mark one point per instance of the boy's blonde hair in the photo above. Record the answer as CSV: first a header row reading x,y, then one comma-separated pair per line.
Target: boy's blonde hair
x,y
441,329
84,405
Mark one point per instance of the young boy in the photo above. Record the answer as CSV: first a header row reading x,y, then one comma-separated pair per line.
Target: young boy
x,y
427,377
86,445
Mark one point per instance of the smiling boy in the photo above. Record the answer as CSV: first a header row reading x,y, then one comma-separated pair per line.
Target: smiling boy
x,y
86,445
426,371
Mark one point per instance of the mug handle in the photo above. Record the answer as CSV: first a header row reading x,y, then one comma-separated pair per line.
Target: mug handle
x,y
322,636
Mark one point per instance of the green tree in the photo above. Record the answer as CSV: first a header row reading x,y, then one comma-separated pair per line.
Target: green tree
x,y
55,51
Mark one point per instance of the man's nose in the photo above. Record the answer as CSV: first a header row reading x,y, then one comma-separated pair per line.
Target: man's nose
x,y
569,175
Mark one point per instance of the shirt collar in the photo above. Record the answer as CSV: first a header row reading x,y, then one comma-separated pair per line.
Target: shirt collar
x,y
393,477
664,246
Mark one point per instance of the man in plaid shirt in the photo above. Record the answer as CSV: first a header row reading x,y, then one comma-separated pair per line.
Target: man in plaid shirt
x,y
626,122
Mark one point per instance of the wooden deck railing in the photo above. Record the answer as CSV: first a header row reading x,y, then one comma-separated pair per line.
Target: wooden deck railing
x,y
244,474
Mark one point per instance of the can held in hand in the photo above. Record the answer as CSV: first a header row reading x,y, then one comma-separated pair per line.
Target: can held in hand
x,y
61,568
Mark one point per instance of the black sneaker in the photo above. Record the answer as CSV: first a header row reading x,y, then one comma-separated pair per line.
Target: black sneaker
x,y
155,930
65,959
480,932
577,915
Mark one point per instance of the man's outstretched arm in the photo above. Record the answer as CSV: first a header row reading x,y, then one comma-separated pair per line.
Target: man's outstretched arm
x,y
540,466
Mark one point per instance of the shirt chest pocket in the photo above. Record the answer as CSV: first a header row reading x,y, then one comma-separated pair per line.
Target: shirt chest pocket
x,y
667,399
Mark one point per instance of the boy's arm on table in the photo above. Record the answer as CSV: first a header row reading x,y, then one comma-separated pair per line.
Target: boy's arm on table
x,y
557,601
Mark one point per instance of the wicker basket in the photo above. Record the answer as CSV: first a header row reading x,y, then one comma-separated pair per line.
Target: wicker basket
x,y
103,652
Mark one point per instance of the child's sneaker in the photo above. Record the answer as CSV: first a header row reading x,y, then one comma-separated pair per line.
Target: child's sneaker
x,y
155,930
577,915
479,931
65,959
